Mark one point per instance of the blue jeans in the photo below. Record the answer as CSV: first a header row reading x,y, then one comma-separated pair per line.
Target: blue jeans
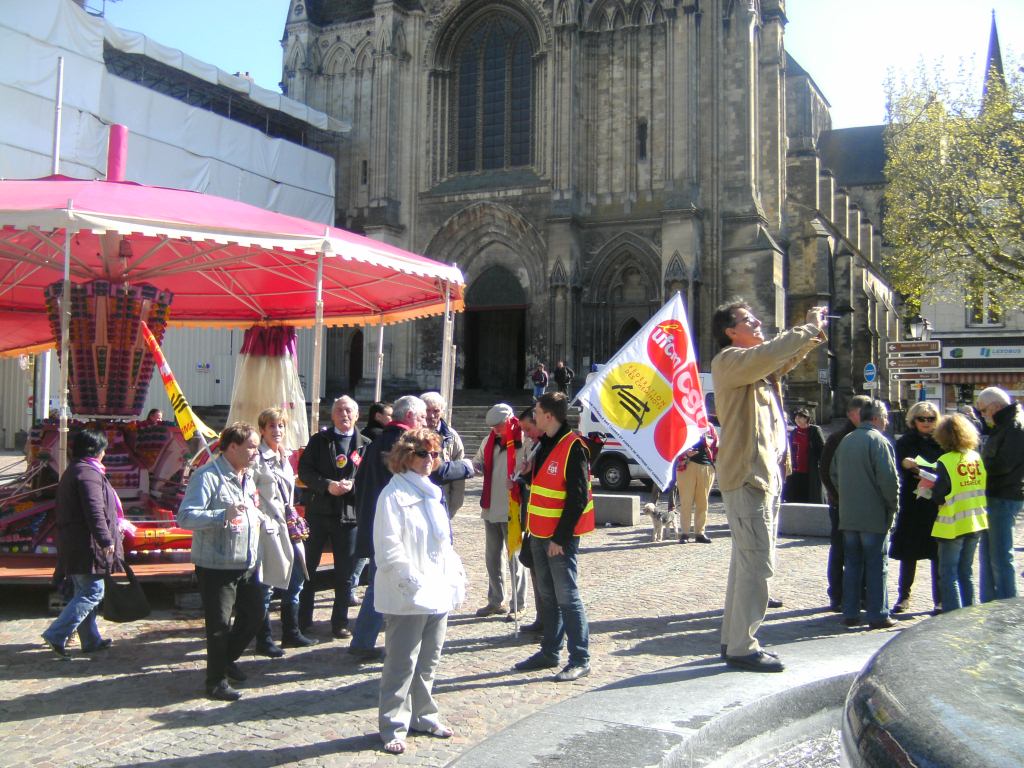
x,y
289,596
956,565
561,607
538,390
998,578
79,614
368,623
865,562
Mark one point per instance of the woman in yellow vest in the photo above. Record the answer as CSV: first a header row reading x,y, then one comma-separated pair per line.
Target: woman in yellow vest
x,y
960,494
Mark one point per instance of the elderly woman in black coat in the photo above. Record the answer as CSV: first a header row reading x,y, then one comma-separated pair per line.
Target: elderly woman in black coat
x,y
912,536
88,541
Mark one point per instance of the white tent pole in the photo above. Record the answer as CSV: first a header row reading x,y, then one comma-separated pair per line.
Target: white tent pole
x,y
59,98
380,362
318,340
65,328
447,364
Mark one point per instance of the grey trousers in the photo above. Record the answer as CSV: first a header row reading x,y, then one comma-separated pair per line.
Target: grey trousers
x,y
753,523
495,554
413,645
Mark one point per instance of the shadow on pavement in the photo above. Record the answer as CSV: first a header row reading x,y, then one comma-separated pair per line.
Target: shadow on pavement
x,y
265,758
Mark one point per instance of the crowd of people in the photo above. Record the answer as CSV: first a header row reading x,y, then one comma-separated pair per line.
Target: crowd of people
x,y
382,500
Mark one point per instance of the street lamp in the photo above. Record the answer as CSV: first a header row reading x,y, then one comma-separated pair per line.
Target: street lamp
x,y
919,328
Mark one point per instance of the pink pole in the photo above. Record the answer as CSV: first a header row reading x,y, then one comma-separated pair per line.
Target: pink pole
x,y
117,152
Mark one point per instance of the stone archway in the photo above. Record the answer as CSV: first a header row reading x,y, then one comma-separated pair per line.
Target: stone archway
x,y
494,331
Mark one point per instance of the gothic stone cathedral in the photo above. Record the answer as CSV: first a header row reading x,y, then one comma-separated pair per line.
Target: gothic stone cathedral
x,y
581,161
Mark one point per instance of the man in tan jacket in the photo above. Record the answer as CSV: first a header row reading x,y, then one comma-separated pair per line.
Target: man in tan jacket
x,y
753,461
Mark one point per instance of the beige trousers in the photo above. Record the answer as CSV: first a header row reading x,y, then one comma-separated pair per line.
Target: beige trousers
x,y
752,516
694,484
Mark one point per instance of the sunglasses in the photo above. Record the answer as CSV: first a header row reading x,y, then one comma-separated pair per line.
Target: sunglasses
x,y
424,454
926,419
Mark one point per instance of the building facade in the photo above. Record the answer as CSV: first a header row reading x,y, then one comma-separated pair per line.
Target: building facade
x,y
581,161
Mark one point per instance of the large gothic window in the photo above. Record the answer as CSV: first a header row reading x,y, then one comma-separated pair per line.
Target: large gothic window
x,y
494,97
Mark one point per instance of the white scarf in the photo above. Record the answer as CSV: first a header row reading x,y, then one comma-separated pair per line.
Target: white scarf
x,y
436,516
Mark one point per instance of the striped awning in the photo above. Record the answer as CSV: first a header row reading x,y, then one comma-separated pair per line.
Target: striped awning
x,y
1014,379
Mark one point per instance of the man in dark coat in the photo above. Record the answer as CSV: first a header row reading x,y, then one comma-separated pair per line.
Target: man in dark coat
x,y
563,376
328,468
835,549
88,541
1003,455
409,412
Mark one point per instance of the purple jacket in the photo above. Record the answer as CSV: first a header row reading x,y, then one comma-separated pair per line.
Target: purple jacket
x,y
86,521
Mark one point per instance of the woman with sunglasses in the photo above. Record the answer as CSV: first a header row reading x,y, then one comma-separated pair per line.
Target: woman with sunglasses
x,y
912,537
419,580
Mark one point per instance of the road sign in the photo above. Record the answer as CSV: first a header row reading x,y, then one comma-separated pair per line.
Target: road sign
x,y
870,385
896,347
823,375
921,361
932,376
870,372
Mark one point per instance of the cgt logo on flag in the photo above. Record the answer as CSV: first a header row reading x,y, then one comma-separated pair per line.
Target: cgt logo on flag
x,y
649,393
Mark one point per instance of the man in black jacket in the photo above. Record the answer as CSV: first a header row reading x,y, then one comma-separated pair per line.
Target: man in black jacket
x,y
328,468
408,412
1003,455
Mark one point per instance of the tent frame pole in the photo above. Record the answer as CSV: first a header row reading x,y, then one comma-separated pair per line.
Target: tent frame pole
x,y
65,333
380,362
318,340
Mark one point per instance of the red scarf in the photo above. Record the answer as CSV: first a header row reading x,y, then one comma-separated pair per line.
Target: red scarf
x,y
514,438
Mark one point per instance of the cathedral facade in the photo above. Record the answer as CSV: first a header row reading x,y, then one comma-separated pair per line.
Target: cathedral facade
x,y
581,161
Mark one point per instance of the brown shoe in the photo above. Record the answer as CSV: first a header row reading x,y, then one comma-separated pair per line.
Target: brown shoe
x,y
492,610
902,606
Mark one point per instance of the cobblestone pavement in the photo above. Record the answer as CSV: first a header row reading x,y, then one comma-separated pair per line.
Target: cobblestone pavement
x,y
650,606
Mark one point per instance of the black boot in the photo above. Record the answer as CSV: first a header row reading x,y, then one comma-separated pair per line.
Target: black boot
x,y
265,645
291,635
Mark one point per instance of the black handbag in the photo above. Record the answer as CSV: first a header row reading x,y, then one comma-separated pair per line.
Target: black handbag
x,y
124,600
525,553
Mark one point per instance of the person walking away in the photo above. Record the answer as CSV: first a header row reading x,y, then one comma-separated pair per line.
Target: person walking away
x,y
89,542
560,511
328,468
419,579
409,412
539,377
864,472
960,494
275,480
1003,455
834,572
220,508
806,441
378,417
912,537
753,460
563,376
498,467
695,474
454,468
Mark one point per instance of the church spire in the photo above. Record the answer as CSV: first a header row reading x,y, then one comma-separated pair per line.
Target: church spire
x,y
993,64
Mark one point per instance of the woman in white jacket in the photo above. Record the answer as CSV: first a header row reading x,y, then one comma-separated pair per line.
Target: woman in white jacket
x,y
419,580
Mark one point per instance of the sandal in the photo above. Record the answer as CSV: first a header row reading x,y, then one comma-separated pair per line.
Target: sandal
x,y
395,747
437,731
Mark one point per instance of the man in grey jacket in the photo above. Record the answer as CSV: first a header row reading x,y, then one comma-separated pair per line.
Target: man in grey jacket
x,y
868,483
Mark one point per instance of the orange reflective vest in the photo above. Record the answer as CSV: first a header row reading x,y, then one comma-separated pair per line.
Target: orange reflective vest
x,y
547,494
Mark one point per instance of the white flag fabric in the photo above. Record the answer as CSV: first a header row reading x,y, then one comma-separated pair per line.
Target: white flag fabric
x,y
649,394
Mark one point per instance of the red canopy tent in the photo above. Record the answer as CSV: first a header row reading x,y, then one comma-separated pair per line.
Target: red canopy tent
x,y
228,264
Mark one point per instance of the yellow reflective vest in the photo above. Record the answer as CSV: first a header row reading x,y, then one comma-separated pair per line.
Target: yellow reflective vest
x,y
964,508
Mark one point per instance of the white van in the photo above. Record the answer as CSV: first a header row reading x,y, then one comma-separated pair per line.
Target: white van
x,y
616,467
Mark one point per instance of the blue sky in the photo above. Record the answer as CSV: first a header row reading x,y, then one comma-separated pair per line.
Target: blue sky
x,y
847,46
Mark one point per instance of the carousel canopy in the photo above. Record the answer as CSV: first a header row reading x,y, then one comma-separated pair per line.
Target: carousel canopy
x,y
228,264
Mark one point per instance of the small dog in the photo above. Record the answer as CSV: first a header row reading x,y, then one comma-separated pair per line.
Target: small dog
x,y
660,519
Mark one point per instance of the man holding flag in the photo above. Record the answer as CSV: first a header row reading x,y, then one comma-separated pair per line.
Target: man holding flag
x,y
497,458
753,461
561,509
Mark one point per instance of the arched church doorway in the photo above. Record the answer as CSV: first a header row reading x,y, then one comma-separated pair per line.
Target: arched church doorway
x,y
627,332
355,360
495,332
